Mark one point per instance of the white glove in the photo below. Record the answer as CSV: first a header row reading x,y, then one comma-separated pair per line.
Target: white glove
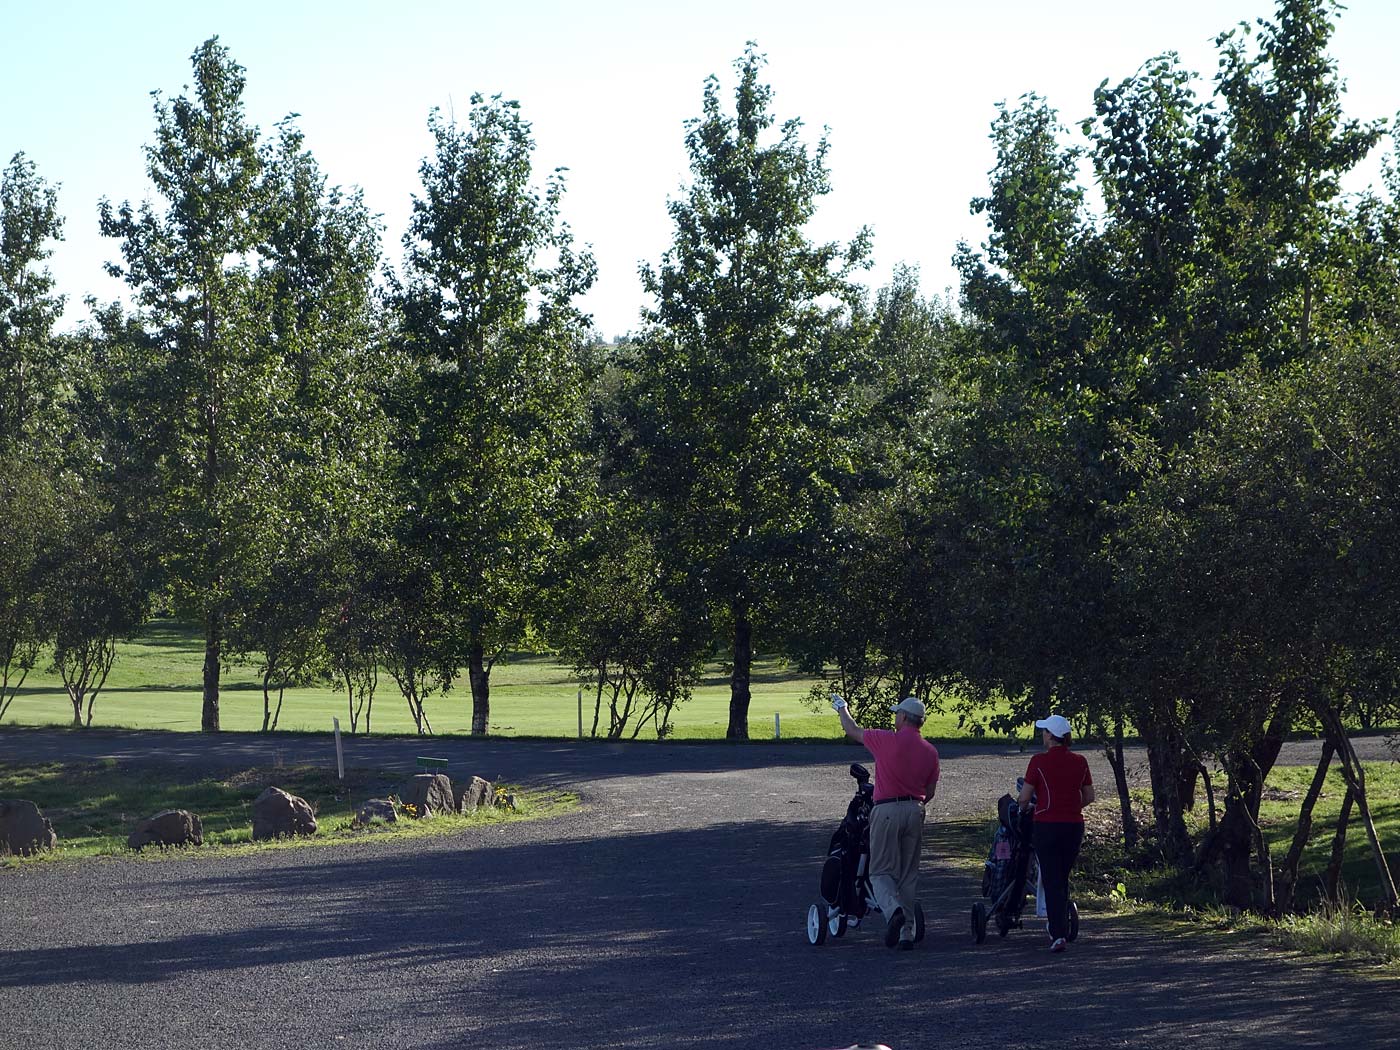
x,y
837,704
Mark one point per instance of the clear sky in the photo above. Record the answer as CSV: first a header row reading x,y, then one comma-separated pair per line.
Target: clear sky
x,y
906,87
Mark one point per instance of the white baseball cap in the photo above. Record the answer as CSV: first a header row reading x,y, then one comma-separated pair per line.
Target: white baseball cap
x,y
1057,724
910,706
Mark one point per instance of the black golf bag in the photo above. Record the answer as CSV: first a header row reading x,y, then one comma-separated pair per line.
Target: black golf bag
x,y
847,897
845,882
1006,875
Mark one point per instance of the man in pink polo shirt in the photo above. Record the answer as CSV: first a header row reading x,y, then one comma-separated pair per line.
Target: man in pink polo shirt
x,y
906,776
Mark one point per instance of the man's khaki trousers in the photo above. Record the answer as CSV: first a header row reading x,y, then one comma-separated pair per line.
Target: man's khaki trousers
x,y
896,837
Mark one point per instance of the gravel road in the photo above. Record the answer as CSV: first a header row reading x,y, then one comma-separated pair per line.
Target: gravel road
x,y
667,911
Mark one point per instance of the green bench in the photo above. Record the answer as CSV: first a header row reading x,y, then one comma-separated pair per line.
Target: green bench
x,y
431,763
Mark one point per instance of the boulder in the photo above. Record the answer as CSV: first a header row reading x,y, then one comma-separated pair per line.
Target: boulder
x,y
171,827
24,829
471,797
427,794
377,809
277,814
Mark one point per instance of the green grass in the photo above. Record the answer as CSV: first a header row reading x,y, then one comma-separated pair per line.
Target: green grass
x,y
1278,816
1180,903
94,806
156,684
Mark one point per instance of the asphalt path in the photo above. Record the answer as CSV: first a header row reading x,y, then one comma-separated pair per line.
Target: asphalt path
x,y
666,911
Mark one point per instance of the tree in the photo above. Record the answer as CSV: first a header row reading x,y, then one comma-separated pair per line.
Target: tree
x,y
741,379
886,611
30,356
29,527
493,406
196,386
325,492
31,360
94,597
625,613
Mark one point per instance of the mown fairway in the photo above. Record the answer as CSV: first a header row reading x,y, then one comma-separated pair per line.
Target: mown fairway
x,y
155,684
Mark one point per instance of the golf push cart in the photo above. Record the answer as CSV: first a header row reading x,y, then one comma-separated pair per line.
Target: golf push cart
x,y
847,897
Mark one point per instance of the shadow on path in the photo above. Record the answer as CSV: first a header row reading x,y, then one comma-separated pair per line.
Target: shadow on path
x,y
687,937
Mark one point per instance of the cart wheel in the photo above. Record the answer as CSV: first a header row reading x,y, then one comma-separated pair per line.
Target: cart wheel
x,y
1073,922
1003,923
918,922
836,922
816,924
979,922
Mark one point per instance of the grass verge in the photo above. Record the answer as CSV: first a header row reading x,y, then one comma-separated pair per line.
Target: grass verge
x,y
1108,883
94,806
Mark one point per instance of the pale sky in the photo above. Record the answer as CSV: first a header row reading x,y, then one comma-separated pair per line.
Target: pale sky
x,y
906,87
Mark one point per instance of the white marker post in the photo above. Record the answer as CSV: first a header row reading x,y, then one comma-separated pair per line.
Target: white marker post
x,y
339,751
777,726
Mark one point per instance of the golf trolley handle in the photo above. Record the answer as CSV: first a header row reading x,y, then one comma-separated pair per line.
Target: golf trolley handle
x,y
861,774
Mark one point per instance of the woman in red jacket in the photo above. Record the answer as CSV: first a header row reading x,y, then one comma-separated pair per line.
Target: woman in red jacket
x,y
1060,782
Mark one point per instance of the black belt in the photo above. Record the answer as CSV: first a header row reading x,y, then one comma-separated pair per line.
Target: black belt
x,y
898,798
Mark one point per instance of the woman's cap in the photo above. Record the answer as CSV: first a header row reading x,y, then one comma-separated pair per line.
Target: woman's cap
x,y
910,706
1057,724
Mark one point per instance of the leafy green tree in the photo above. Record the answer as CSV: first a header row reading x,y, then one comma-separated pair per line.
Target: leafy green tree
x,y
31,386
886,612
742,377
30,357
493,406
196,384
326,491
94,596
29,527
625,612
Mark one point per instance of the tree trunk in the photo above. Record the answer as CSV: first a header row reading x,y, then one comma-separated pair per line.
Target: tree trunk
x,y
1210,796
1287,882
1332,877
213,640
1235,841
1114,754
267,700
598,698
1163,759
1266,864
1355,777
480,677
1186,782
739,680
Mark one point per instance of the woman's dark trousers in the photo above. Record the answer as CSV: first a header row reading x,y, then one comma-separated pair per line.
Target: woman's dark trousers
x,y
1056,849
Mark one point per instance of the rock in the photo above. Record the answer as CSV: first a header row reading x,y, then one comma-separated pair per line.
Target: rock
x,y
427,794
172,827
377,809
471,797
24,829
277,814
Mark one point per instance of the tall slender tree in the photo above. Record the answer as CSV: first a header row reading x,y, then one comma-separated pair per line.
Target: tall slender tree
x,y
31,379
314,282
493,337
30,356
741,376
195,383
